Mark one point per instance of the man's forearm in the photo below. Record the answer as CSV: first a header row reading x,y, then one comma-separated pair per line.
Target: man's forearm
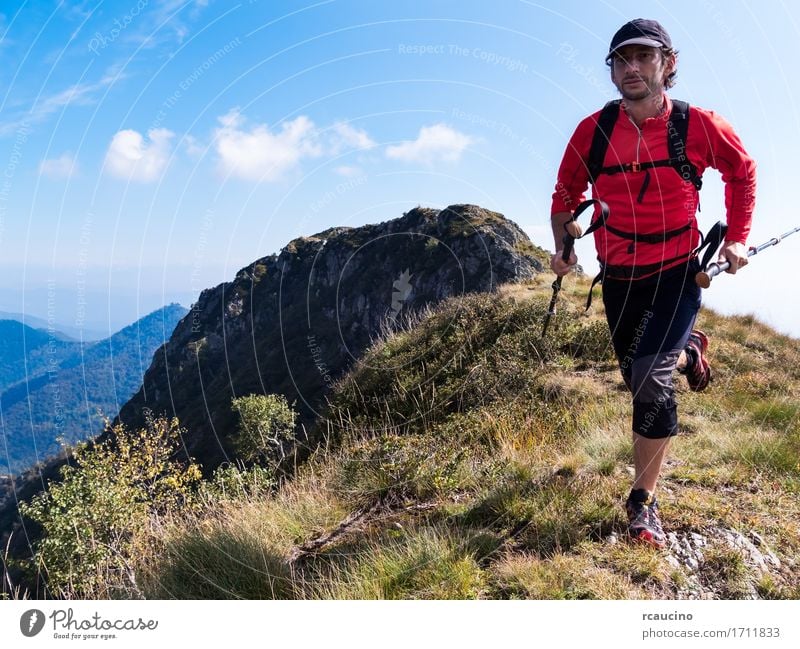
x,y
557,221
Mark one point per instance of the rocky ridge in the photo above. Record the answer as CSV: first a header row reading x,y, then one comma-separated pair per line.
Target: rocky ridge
x,y
292,323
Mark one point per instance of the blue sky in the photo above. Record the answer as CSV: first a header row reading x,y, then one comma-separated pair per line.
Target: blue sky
x,y
151,148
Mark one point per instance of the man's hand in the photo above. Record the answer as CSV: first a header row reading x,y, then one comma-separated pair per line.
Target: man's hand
x,y
735,253
562,222
559,266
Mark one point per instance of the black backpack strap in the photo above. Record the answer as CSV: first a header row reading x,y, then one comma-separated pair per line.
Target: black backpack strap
x,y
597,280
602,136
598,220
657,237
713,240
677,134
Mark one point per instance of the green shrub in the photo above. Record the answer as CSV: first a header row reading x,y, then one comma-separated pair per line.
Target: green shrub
x,y
231,482
407,466
266,424
591,342
92,517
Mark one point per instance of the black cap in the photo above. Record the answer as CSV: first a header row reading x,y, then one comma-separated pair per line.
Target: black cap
x,y
639,32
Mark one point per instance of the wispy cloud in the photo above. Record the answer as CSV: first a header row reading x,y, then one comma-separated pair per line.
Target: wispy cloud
x,y
61,167
5,40
166,22
193,146
260,153
438,142
78,94
129,156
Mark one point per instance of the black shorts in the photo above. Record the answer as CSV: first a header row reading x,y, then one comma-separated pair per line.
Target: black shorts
x,y
650,321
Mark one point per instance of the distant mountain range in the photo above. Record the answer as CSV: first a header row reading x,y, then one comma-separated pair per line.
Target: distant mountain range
x,y
55,388
61,329
25,351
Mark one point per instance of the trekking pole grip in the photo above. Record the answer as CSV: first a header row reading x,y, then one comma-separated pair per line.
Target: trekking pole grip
x,y
704,277
569,244
572,231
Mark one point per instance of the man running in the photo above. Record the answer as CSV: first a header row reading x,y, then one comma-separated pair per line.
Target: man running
x,y
645,155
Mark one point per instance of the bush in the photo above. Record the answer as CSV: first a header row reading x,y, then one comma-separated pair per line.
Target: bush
x,y
406,466
231,482
266,425
92,517
592,343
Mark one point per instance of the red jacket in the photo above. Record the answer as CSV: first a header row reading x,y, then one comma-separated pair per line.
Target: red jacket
x,y
669,202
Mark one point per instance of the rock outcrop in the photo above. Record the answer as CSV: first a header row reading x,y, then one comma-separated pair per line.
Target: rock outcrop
x,y
292,323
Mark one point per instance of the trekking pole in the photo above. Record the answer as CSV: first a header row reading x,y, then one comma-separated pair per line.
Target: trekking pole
x,y
703,278
569,242
573,231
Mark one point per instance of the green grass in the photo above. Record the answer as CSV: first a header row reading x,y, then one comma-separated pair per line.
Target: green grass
x,y
779,414
425,563
559,576
220,559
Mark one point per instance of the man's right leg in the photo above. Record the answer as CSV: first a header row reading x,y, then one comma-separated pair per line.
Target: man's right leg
x,y
650,329
648,458
644,522
629,317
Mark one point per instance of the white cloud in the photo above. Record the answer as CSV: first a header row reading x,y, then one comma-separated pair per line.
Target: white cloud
x,y
434,143
194,147
261,154
130,157
61,167
348,171
345,136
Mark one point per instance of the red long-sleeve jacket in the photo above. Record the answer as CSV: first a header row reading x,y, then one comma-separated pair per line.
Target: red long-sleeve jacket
x,y
669,202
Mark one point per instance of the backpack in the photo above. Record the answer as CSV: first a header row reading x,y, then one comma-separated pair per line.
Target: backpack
x,y
677,130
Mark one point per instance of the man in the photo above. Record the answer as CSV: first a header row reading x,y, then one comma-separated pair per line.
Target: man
x,y
644,155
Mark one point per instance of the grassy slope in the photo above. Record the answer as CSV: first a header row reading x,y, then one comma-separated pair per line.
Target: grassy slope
x,y
471,459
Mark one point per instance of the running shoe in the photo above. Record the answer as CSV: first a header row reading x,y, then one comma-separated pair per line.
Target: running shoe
x,y
697,371
644,523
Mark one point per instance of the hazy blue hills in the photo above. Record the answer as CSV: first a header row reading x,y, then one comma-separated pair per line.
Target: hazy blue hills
x,y
62,329
25,351
54,389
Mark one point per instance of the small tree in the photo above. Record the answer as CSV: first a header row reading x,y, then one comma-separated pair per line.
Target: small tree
x,y
91,518
266,423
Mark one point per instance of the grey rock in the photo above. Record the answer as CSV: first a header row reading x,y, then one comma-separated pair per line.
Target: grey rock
x,y
292,323
685,552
